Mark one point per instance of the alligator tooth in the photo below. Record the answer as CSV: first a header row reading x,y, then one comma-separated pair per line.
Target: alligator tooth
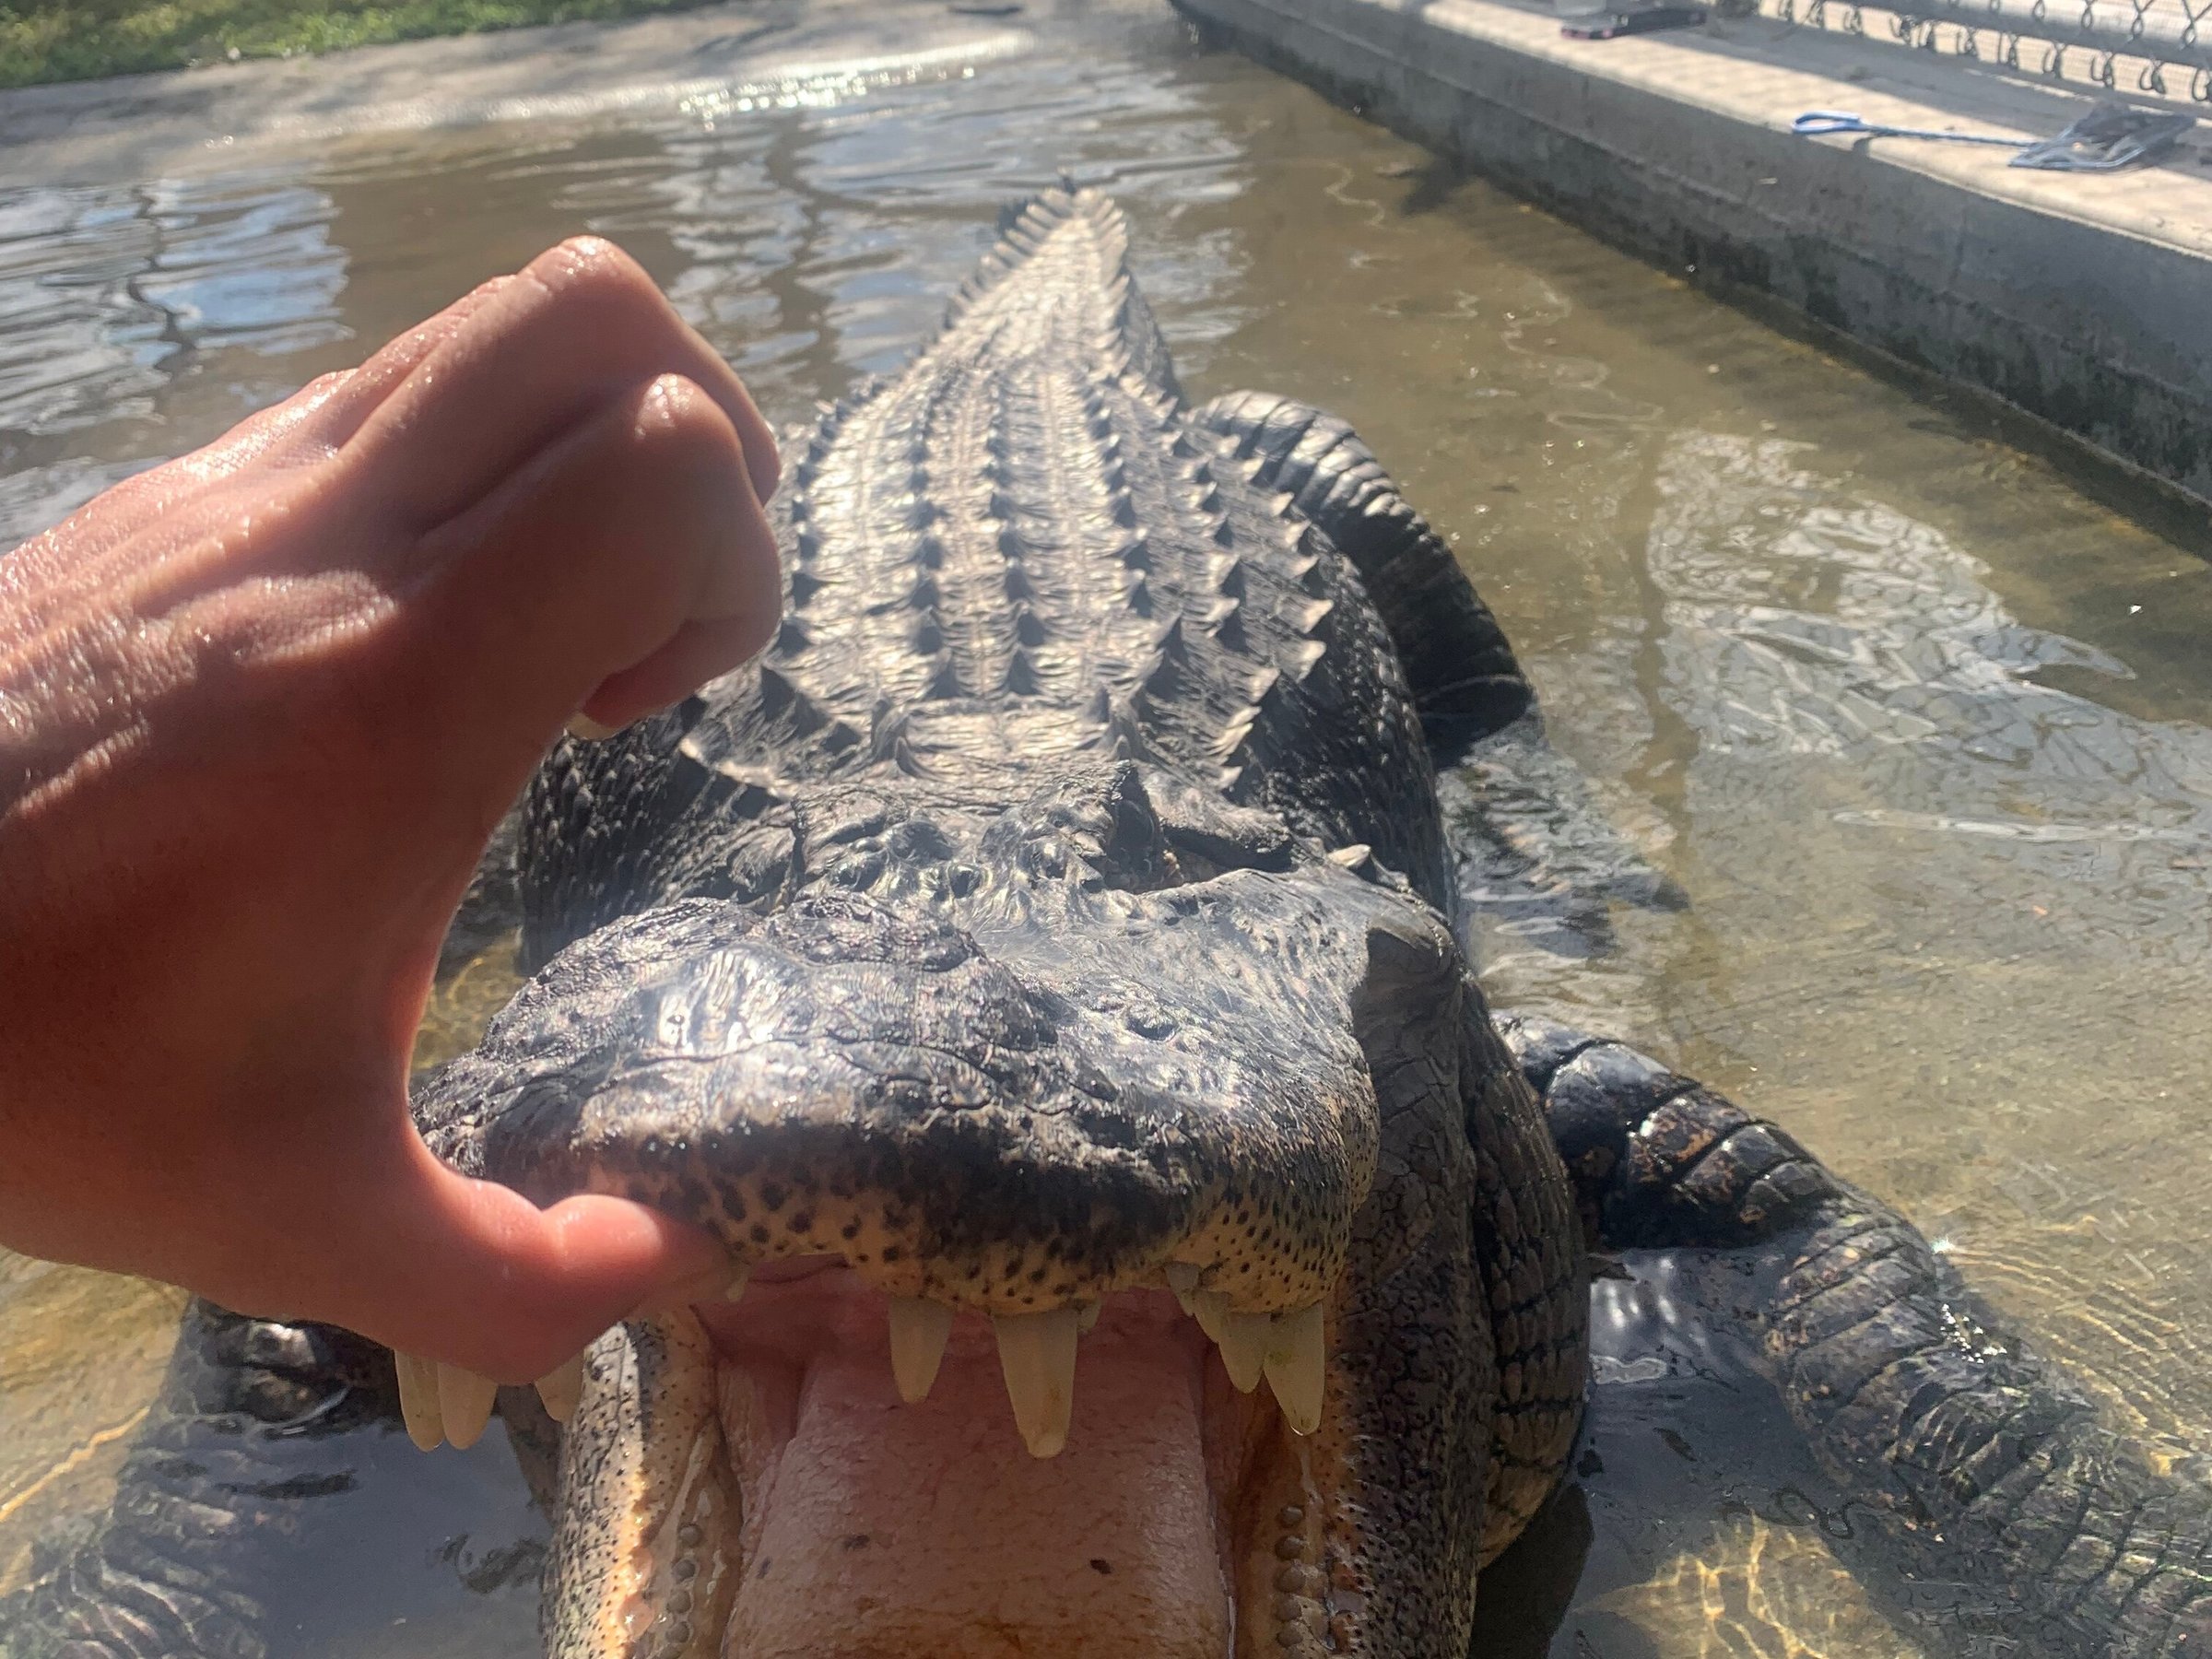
x,y
1037,1354
1087,1317
735,1288
1295,1366
465,1401
560,1388
1210,1308
1183,1279
1242,1339
418,1399
918,1328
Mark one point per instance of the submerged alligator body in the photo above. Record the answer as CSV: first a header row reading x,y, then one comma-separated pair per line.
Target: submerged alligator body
x,y
1039,970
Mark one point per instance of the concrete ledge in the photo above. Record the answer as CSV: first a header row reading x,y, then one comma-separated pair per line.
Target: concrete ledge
x,y
2085,300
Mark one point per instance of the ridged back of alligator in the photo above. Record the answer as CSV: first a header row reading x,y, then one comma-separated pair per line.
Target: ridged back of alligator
x,y
1014,557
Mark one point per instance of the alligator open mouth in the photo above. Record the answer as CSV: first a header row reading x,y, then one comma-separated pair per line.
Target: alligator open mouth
x,y
819,1470
1044,1246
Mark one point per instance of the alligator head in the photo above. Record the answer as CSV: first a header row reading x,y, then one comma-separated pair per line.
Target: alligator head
x,y
1146,1246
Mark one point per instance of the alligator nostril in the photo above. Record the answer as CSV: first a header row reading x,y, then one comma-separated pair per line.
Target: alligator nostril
x,y
918,839
1048,857
858,870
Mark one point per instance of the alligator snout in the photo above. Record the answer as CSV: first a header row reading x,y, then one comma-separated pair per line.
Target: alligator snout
x,y
983,1177
978,1121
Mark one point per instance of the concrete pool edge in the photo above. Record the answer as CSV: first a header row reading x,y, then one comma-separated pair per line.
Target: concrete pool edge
x,y
2077,299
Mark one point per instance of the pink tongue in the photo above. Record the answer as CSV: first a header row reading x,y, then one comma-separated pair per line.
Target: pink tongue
x,y
927,1530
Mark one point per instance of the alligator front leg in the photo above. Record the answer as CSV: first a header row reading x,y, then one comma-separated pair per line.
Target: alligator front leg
x,y
245,1501
1982,1462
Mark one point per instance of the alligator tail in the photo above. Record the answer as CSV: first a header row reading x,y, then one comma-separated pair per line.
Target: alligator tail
x,y
1534,841
1458,665
1983,1463
1127,329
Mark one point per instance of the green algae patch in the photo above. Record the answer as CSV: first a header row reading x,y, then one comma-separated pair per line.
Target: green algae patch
x,y
80,39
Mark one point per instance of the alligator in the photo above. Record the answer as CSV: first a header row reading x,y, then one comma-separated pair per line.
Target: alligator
x,y
1040,971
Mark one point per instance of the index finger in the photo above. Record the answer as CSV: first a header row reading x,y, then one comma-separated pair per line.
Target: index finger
x,y
537,356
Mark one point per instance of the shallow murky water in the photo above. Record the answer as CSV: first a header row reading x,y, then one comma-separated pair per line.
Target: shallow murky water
x,y
1919,727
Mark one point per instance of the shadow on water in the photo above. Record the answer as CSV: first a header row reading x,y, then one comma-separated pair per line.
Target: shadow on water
x,y
1915,730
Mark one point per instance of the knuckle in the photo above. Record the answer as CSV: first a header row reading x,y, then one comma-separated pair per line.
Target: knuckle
x,y
591,271
681,423
323,385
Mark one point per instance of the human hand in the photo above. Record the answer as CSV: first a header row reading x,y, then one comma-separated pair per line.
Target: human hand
x,y
260,709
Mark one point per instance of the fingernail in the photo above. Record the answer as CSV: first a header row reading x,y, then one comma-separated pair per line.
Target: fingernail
x,y
591,731
704,1287
486,290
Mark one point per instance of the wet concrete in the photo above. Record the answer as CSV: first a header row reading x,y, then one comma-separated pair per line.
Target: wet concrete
x,y
2076,299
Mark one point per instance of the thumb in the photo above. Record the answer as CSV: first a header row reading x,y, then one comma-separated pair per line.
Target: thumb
x,y
473,1274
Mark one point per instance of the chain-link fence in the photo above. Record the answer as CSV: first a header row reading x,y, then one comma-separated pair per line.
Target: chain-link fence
x,y
2160,47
